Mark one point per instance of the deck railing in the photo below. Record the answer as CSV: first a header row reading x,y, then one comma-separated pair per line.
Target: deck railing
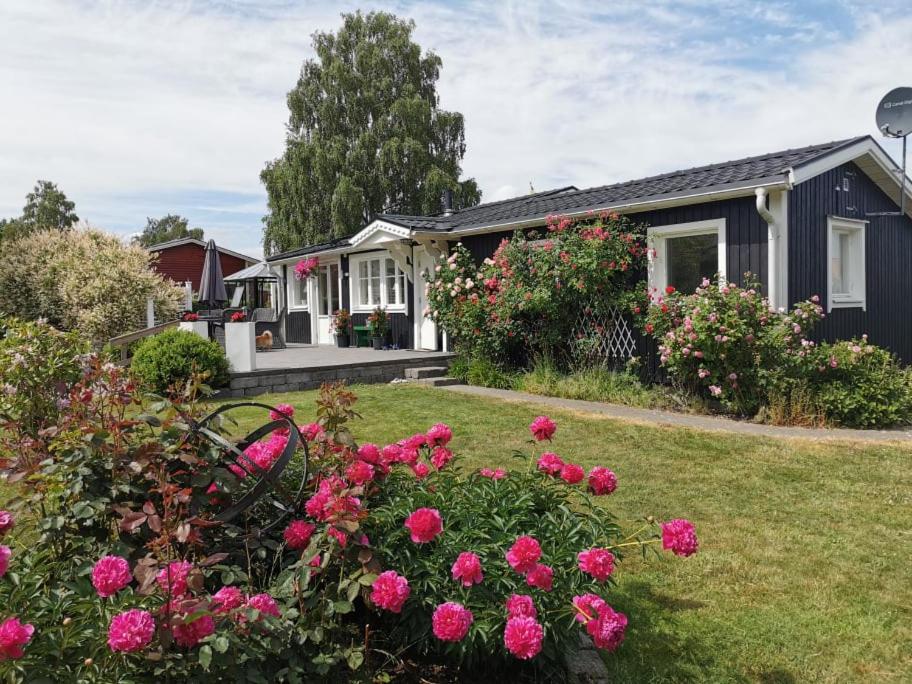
x,y
123,342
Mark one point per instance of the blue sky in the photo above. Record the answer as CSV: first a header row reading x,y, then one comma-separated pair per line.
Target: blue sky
x,y
145,108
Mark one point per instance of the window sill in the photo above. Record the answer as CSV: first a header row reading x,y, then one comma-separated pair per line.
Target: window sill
x,y
847,303
370,309
299,309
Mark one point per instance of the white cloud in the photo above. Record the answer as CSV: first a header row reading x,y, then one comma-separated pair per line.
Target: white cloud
x,y
128,100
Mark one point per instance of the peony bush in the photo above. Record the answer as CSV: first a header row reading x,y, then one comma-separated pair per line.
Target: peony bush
x,y
120,564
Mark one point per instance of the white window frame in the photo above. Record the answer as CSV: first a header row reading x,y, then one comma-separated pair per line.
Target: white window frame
x,y
293,282
354,283
655,241
856,297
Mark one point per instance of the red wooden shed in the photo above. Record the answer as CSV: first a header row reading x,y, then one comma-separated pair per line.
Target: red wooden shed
x,y
182,260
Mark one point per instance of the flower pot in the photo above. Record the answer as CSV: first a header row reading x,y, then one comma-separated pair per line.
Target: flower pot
x,y
377,342
342,341
240,346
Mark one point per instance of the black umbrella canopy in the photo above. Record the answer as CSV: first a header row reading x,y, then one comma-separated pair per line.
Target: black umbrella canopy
x,y
212,284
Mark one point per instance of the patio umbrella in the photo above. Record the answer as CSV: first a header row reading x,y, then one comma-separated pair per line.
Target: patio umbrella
x,y
212,284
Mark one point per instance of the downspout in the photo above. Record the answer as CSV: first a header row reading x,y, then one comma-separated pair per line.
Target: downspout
x,y
772,248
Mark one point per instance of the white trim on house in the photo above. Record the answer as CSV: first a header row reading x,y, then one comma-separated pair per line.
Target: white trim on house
x,y
377,226
854,295
655,241
292,283
354,283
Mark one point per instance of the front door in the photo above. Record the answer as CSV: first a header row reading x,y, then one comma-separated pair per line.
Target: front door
x,y
426,328
327,301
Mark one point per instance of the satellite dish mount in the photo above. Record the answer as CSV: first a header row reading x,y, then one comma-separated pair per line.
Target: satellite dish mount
x,y
894,120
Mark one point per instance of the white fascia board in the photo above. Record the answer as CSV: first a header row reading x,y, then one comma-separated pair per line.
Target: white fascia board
x,y
379,226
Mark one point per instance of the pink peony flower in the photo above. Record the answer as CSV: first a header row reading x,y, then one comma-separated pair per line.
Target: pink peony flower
x,y
541,577
311,431
421,470
5,554
607,628
521,605
390,591
424,524
370,453
451,621
597,562
602,481
359,472
298,533
110,575
441,456
131,631
524,554
173,578
467,569
391,453
189,633
227,599
494,474
264,604
415,441
523,637
7,522
550,463
439,435
542,428
715,390
340,536
282,411
587,606
572,473
680,537
13,636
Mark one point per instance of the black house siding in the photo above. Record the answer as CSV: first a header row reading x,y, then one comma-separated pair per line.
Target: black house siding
x,y
888,248
297,327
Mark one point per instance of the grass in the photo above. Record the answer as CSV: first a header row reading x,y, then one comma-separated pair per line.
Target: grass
x,y
804,571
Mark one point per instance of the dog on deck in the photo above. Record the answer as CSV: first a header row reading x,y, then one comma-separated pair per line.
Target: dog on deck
x,y
264,341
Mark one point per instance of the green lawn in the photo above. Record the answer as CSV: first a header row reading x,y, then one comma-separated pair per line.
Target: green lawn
x,y
804,573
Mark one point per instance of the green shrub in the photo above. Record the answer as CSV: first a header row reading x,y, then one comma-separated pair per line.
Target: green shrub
x,y
170,358
459,369
485,373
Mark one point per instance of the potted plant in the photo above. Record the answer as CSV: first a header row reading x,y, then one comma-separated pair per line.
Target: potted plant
x,y
342,325
378,322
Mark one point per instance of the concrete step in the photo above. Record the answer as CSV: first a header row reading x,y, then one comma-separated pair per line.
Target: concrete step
x,y
425,372
438,382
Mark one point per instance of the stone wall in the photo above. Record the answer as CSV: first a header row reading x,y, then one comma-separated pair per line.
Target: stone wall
x,y
295,379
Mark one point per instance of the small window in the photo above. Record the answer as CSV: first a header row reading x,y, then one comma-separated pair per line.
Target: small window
x,y
297,293
377,281
846,272
682,255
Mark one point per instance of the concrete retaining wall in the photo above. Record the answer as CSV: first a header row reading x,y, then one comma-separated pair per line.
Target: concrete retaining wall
x,y
295,379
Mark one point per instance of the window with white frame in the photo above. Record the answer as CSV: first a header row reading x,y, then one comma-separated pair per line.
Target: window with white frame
x,y
297,293
681,255
846,262
376,281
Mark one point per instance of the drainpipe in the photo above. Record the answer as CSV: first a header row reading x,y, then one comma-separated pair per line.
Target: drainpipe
x,y
772,248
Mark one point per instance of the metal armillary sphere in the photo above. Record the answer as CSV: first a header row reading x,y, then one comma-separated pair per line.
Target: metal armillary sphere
x,y
258,483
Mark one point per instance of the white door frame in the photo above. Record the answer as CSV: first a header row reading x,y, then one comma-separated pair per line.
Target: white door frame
x,y
315,298
418,281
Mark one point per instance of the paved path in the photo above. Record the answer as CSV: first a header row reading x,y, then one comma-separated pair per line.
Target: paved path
x,y
698,422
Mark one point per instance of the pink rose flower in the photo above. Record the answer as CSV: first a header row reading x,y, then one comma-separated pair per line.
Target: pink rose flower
x,y
359,472
188,633
282,411
439,435
451,621
523,637
521,605
110,575
390,591
467,569
602,481
550,463
542,428
7,522
227,599
587,606
572,473
173,578
441,456
680,537
524,554
424,525
541,577
264,604
13,636
596,562
298,533
5,554
131,631
608,627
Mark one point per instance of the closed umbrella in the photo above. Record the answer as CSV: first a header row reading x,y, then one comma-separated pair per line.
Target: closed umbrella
x,y
212,284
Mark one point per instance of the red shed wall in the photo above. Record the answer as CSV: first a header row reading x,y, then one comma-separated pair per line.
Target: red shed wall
x,y
185,262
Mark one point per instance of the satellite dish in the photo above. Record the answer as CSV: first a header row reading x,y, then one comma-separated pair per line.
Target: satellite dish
x,y
894,113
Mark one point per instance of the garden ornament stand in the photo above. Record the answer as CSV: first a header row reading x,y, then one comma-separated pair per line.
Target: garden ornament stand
x,y
265,482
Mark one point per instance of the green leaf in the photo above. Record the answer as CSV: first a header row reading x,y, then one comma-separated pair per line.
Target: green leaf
x,y
355,660
205,656
220,644
343,607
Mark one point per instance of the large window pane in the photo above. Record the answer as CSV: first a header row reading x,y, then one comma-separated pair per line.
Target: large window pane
x,y
393,295
375,282
334,288
363,284
322,284
690,259
838,263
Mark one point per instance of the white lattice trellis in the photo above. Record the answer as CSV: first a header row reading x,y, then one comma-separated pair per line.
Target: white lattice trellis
x,y
602,337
